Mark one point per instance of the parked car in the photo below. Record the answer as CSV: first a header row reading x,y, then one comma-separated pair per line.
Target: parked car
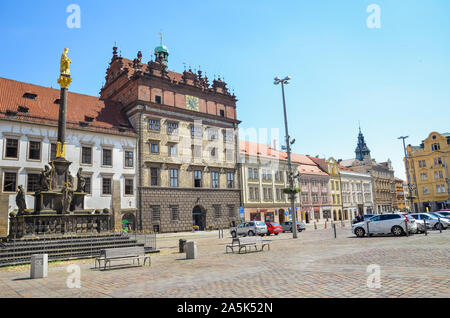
x,y
365,217
249,228
432,221
440,215
394,223
273,228
444,212
287,226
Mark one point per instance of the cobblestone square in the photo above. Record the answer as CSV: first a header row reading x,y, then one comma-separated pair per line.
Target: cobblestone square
x,y
314,265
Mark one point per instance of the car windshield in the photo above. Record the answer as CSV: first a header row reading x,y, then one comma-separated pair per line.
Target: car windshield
x,y
438,214
275,224
445,213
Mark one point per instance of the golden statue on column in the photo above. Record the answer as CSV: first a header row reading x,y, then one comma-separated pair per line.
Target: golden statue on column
x,y
64,79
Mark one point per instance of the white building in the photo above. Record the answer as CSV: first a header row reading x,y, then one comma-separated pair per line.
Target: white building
x,y
357,193
99,139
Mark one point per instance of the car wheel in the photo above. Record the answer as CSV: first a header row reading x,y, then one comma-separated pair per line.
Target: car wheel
x,y
360,232
276,233
397,230
233,234
438,226
251,233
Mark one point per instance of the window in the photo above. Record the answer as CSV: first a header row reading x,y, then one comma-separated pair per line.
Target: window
x,y
315,197
212,134
173,177
34,150
153,124
215,179
231,211
158,99
107,157
438,188
33,182
229,155
222,113
425,190
129,186
30,96
129,159
172,128
228,135
256,193
423,176
154,146
255,173
217,211
173,150
86,155
52,151
230,180
197,178
197,151
175,212
156,213
154,176
12,148
435,147
106,186
87,186
250,173
278,192
196,131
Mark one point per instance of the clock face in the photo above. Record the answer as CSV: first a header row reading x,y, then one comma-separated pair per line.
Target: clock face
x,y
192,103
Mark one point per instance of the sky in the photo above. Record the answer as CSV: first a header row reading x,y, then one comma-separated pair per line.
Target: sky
x,y
394,80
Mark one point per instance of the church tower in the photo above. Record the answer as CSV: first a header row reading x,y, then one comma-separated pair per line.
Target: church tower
x,y
361,149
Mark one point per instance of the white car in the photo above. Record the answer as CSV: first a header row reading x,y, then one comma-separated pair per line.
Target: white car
x,y
432,221
394,223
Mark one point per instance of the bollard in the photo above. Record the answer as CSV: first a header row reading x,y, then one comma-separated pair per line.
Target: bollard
x,y
181,245
440,225
325,225
315,225
368,233
334,227
425,226
191,250
39,266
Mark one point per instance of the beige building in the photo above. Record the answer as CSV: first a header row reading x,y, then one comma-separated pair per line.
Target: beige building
x,y
264,173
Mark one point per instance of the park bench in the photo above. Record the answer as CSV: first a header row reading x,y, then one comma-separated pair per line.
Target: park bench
x,y
136,253
246,244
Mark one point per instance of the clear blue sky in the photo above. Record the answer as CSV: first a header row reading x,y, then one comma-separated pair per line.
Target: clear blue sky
x,y
395,80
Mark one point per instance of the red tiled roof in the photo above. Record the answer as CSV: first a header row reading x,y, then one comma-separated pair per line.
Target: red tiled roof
x,y
107,116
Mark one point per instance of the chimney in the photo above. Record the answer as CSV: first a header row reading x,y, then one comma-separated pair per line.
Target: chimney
x,y
275,144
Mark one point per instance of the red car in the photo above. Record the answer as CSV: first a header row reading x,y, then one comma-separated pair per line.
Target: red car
x,y
273,228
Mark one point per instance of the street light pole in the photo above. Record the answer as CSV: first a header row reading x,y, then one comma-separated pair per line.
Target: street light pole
x,y
288,150
407,172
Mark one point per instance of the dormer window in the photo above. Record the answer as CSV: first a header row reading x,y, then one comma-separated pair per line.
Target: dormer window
x,y
11,113
30,96
57,101
22,109
435,147
88,119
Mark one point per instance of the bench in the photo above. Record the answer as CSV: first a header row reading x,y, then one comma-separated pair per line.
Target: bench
x,y
242,243
136,253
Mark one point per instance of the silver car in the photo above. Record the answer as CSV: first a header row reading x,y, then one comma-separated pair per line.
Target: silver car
x,y
251,228
432,221
287,226
394,223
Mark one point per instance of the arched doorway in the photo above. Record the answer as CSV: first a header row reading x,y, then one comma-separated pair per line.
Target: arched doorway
x,y
340,215
199,217
280,216
128,222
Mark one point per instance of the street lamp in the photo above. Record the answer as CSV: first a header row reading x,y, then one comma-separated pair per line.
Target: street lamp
x,y
288,150
410,188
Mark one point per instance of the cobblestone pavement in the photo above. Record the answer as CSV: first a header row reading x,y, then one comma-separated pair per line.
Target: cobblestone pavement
x,y
314,265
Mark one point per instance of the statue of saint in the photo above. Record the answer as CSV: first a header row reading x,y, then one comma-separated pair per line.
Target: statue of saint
x,y
20,201
81,181
67,194
45,181
65,63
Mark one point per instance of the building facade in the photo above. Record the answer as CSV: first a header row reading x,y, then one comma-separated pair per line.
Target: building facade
x,y
357,195
382,175
100,141
188,143
429,172
264,173
401,202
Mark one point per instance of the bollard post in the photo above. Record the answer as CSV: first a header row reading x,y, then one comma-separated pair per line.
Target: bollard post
x,y
325,225
425,226
334,227
440,225
368,232
315,225
406,227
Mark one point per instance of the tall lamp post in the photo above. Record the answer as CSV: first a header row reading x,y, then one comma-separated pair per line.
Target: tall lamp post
x,y
288,150
410,188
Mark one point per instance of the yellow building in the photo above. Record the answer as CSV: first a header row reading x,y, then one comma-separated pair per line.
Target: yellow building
x,y
428,168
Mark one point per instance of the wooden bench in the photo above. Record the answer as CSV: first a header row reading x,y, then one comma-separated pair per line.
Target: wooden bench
x,y
246,244
136,253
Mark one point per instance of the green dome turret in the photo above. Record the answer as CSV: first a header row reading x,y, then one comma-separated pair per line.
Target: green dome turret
x,y
162,53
